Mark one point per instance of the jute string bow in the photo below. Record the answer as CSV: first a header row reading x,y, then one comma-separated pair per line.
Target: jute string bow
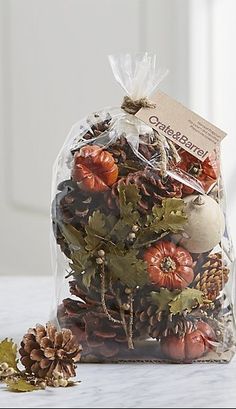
x,y
132,107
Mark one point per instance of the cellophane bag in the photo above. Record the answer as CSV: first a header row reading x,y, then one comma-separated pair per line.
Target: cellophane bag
x,y
143,259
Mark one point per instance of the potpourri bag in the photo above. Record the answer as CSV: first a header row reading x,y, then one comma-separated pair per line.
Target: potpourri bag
x,y
143,259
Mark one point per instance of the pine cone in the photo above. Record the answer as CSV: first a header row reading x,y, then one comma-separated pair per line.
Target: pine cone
x,y
98,335
153,188
44,350
149,321
211,276
74,206
125,157
97,125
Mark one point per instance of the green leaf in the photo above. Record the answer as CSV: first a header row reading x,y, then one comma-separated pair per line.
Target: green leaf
x,y
187,300
169,217
20,385
80,258
120,232
96,230
88,275
73,236
129,198
127,268
8,353
163,298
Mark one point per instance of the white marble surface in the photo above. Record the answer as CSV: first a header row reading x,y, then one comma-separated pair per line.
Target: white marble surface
x,y
26,301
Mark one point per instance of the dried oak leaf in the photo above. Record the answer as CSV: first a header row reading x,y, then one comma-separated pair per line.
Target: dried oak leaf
x,y
127,268
8,353
96,230
187,300
73,236
169,216
162,298
20,385
129,198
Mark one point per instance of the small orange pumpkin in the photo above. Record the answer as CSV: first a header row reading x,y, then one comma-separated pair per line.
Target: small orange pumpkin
x,y
192,346
94,169
205,172
169,266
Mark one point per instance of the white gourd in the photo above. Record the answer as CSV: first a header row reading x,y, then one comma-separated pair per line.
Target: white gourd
x,y
205,226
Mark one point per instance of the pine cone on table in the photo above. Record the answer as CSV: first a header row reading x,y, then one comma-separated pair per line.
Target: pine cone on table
x,y
211,276
153,188
44,351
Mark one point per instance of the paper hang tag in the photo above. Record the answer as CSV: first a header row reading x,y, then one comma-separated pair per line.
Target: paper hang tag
x,y
182,126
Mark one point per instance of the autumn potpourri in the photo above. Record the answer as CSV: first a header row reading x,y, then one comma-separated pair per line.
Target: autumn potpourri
x,y
146,255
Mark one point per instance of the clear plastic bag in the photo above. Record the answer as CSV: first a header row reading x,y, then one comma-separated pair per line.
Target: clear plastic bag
x,y
143,259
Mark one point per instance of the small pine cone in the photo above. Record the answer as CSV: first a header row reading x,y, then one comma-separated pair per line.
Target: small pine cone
x,y
211,276
153,188
45,350
149,321
97,125
121,150
125,157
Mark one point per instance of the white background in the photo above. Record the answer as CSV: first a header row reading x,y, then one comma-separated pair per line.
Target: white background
x,y
54,70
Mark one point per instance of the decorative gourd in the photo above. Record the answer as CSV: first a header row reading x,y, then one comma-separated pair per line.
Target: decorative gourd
x,y
94,169
192,346
205,226
169,266
205,172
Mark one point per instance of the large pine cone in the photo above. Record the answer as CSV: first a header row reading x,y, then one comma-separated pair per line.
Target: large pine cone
x,y
98,335
211,276
153,188
44,351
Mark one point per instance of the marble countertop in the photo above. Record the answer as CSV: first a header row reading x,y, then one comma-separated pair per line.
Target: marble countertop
x,y
26,301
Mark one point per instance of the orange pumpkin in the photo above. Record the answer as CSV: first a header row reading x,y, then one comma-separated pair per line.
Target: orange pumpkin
x,y
192,346
94,169
169,266
205,172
